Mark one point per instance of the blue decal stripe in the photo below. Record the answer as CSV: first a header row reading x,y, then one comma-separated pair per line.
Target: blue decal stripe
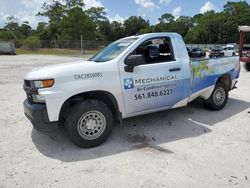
x,y
207,81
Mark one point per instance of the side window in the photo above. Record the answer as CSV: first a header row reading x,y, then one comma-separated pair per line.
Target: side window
x,y
156,50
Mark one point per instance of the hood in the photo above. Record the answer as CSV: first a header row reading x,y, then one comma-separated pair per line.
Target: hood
x,y
50,71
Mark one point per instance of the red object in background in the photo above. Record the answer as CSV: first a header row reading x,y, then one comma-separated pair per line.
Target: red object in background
x,y
244,53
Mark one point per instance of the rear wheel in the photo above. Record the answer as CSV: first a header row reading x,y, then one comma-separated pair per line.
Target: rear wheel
x,y
219,97
89,123
247,66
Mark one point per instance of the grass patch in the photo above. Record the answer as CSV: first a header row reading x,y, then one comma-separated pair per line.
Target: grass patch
x,y
20,51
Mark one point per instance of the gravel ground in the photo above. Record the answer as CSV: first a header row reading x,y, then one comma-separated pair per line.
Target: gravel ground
x,y
187,147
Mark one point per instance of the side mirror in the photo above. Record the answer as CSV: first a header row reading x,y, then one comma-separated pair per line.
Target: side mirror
x,y
132,61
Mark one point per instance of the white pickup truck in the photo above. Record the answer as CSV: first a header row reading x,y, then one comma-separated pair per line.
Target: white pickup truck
x,y
132,76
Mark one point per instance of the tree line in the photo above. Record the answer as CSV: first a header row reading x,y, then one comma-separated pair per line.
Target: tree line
x,y
69,21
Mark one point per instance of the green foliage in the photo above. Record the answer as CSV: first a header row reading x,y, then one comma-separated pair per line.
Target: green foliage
x,y
77,23
168,24
182,25
236,13
221,27
10,36
12,24
7,36
32,43
25,30
54,11
69,21
134,24
166,18
97,14
74,3
117,31
42,31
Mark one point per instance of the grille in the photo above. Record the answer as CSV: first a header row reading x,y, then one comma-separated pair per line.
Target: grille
x,y
27,83
30,98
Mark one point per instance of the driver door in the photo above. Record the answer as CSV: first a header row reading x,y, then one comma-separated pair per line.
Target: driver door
x,y
157,82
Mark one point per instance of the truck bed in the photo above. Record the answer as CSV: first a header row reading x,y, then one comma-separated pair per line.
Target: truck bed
x,y
205,72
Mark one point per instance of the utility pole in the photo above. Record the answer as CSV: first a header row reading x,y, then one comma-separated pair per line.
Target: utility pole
x,y
81,46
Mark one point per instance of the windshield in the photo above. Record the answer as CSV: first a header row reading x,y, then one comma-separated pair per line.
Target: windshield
x,y
113,50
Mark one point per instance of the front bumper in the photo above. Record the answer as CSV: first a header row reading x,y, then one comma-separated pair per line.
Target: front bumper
x,y
37,114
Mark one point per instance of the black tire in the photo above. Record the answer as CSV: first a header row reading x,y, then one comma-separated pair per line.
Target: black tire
x,y
217,103
247,66
81,114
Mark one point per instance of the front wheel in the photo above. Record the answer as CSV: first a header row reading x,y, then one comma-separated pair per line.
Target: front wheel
x,y
89,123
218,99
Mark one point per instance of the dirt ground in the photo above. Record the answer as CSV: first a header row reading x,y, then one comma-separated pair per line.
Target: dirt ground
x,y
186,147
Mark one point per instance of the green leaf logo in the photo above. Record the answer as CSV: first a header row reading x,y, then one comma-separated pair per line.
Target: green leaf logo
x,y
201,69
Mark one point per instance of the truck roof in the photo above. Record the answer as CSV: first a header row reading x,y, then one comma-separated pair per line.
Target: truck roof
x,y
152,34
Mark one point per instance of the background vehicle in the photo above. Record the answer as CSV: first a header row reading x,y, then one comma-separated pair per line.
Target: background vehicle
x,y
126,79
244,52
229,50
196,53
7,48
216,51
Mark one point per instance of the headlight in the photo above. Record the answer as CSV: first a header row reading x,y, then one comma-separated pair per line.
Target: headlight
x,y
43,83
38,98
40,84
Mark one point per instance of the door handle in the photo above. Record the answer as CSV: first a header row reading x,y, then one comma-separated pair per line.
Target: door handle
x,y
174,69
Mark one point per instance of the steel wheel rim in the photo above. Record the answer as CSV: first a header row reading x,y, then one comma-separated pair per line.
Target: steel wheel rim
x,y
219,96
91,125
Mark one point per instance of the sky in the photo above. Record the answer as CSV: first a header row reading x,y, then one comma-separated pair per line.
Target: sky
x,y
118,10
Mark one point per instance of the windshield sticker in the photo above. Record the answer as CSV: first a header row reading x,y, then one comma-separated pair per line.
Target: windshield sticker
x,y
131,40
124,44
88,76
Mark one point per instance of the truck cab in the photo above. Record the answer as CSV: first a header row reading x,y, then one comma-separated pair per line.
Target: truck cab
x,y
133,76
